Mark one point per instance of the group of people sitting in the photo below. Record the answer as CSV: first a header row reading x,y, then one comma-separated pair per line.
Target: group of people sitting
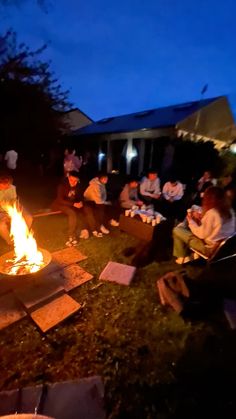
x,y
95,212
91,208
202,228
166,200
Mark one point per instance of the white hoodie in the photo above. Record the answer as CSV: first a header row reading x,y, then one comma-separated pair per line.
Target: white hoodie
x,y
150,187
96,191
174,192
212,227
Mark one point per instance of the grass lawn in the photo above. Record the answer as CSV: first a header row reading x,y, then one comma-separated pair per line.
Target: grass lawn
x,y
154,365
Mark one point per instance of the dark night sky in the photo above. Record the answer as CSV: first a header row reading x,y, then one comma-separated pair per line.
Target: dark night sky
x,y
128,55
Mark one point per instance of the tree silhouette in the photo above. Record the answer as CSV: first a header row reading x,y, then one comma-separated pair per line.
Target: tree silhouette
x,y
31,98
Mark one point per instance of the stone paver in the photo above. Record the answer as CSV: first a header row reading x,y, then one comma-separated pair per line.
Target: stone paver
x,y
72,276
77,399
10,310
68,256
118,272
55,312
34,291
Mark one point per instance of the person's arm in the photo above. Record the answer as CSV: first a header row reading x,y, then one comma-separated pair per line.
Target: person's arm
x,y
143,186
125,199
180,192
61,197
200,184
165,192
157,190
208,224
78,194
77,163
97,196
11,198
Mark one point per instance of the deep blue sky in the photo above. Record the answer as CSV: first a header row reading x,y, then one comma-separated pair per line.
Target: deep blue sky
x,y
128,55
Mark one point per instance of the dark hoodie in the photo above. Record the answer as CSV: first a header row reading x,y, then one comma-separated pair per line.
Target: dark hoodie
x,y
67,195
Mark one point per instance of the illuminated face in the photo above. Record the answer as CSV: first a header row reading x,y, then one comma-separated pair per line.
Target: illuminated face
x,y
207,175
227,180
73,181
133,185
104,180
4,186
152,176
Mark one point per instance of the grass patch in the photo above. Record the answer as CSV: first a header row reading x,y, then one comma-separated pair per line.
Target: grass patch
x,y
152,362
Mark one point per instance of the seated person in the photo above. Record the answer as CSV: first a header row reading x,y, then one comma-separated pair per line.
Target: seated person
x,y
198,296
69,201
96,197
229,185
204,182
206,231
8,196
129,195
206,177
172,194
150,190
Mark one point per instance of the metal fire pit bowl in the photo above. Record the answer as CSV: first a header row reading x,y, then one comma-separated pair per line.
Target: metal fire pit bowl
x,y
3,264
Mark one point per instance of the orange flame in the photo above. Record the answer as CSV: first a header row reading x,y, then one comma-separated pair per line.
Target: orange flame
x,y
27,255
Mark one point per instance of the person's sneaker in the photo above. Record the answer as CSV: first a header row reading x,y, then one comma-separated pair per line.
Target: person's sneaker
x,y
104,230
97,234
71,242
84,234
114,223
182,261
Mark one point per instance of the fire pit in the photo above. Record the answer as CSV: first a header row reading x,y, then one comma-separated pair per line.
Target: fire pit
x,y
9,266
26,258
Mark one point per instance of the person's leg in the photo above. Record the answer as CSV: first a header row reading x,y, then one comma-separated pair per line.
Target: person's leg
x,y
100,214
179,210
88,212
157,205
72,219
165,208
4,230
112,214
181,237
92,217
199,245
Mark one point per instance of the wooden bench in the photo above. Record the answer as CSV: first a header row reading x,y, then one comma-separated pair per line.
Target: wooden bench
x,y
46,212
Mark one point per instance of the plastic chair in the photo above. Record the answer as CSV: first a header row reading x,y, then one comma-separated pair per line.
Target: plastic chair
x,y
226,248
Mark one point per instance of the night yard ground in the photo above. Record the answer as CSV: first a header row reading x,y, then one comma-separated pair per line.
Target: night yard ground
x,y
153,363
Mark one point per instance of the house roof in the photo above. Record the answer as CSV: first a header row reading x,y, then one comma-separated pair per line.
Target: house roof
x,y
167,116
77,110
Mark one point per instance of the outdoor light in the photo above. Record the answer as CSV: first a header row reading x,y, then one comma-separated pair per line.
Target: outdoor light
x,y
131,153
101,155
233,148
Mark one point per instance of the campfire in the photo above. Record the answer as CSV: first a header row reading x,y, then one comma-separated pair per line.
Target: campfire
x,y
26,257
